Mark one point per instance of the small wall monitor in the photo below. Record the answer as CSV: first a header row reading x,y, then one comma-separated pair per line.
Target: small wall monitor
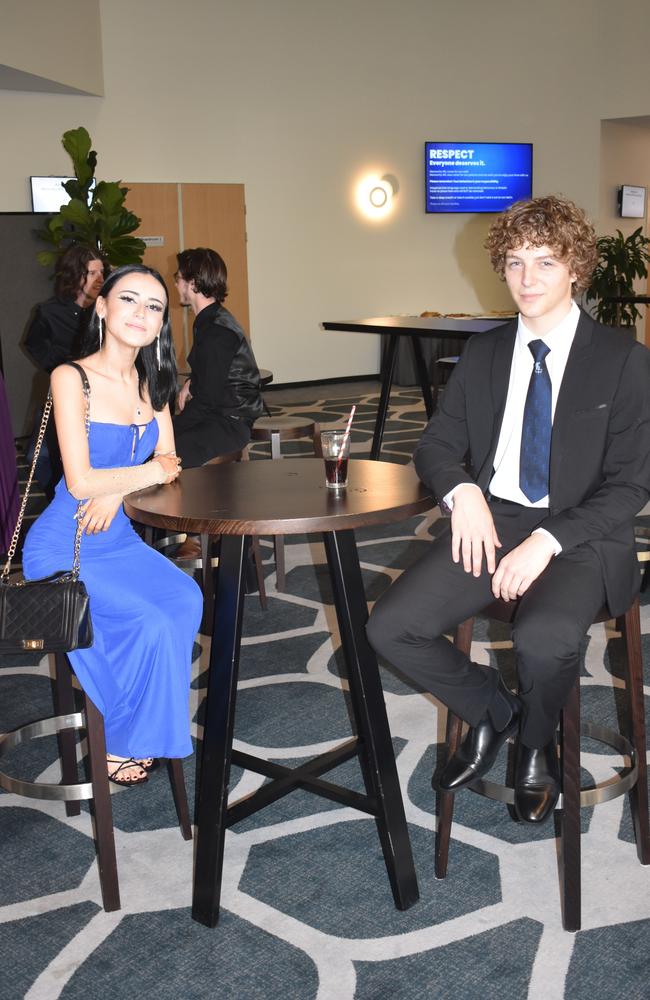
x,y
48,193
631,201
477,176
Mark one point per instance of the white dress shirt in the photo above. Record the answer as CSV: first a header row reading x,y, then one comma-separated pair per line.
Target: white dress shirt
x,y
505,481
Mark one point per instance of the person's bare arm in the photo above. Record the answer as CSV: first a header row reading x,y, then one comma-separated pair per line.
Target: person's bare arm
x,y
166,445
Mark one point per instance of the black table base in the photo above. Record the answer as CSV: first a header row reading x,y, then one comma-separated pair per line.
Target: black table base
x,y
372,744
387,376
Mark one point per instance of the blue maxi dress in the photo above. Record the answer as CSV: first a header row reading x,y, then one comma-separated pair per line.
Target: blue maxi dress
x,y
145,611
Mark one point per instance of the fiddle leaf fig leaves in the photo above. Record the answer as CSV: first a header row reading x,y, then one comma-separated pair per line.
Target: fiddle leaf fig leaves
x,y
96,215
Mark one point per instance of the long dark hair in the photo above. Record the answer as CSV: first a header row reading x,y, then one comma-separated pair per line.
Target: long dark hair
x,y
161,382
71,269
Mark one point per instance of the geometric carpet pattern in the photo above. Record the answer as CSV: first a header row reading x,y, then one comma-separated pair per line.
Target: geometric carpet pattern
x,y
307,911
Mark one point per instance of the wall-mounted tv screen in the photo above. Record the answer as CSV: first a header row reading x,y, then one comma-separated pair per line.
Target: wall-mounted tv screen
x,y
477,176
48,193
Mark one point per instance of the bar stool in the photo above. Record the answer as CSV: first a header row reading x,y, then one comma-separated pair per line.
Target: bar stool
x,y
97,790
632,779
276,430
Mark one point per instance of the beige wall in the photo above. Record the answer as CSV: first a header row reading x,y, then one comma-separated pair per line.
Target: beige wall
x,y
621,64
52,41
625,159
297,99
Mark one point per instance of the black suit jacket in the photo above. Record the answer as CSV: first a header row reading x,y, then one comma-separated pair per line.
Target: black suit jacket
x,y
600,448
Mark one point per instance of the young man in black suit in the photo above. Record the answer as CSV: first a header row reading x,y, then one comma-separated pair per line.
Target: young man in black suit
x,y
541,449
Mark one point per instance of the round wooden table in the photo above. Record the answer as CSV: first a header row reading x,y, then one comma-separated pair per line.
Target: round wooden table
x,y
241,500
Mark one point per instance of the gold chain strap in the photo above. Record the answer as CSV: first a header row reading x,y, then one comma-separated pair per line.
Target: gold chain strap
x,y
76,562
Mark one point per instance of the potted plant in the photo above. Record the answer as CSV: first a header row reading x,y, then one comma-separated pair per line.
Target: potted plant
x,y
621,260
95,215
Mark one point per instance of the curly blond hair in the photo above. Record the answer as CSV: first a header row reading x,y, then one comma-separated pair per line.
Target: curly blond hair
x,y
553,222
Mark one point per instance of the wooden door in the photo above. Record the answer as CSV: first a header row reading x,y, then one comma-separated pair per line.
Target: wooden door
x,y
214,215
183,216
157,206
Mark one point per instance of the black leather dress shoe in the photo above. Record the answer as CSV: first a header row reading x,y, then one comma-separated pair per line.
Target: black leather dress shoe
x,y
478,751
537,782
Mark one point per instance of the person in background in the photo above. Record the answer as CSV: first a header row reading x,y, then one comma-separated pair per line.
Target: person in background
x,y
55,329
55,332
541,449
221,399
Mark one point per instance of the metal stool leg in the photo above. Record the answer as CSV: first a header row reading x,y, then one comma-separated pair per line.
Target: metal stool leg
x,y
445,800
570,815
318,446
636,714
177,781
259,572
101,807
278,541
64,705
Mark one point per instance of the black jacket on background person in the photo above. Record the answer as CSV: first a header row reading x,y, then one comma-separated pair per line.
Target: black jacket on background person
x,y
225,390
54,331
52,338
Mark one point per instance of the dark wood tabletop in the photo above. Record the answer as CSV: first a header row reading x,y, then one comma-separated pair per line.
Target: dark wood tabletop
x,y
419,326
287,497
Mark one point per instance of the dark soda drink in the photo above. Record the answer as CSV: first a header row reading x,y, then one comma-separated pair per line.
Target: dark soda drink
x,y
336,472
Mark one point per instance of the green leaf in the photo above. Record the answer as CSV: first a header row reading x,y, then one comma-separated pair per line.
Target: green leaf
x,y
109,195
127,250
77,213
76,143
105,222
46,257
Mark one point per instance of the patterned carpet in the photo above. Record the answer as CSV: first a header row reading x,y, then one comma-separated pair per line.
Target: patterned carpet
x,y
307,912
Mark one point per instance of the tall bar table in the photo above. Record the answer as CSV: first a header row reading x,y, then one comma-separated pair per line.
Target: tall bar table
x,y
245,499
414,327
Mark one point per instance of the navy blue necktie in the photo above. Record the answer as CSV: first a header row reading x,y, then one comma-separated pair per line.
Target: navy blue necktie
x,y
535,455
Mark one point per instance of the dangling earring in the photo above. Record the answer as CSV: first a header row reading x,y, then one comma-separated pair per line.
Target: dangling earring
x,y
158,351
101,332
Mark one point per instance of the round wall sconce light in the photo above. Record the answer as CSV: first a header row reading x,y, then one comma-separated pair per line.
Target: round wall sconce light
x,y
380,194
375,196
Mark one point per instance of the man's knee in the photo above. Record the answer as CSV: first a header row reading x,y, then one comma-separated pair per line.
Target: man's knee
x,y
381,629
543,638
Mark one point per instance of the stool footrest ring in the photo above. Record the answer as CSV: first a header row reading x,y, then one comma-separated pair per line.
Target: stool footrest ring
x,y
604,791
42,789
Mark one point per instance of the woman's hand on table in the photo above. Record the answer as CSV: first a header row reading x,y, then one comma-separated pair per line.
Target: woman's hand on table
x,y
171,465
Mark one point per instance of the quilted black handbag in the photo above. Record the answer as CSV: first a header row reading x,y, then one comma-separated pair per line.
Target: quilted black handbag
x,y
51,615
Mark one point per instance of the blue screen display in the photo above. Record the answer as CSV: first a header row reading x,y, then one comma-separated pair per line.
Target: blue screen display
x,y
477,176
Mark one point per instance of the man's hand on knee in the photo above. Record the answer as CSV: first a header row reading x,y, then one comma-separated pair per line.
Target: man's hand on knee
x,y
472,530
521,567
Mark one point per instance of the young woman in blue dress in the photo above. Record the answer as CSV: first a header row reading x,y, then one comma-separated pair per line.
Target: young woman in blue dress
x,y
145,611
